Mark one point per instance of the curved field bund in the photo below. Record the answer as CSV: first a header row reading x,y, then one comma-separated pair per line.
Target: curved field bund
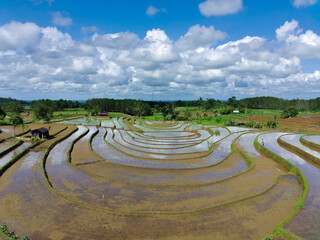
x,y
126,178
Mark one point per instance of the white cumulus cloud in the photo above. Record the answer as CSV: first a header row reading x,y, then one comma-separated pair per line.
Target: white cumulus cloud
x,y
200,36
304,3
51,63
19,35
89,29
151,10
60,20
298,43
220,7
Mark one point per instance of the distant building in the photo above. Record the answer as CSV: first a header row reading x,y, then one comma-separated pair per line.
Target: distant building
x,y
236,111
40,133
104,114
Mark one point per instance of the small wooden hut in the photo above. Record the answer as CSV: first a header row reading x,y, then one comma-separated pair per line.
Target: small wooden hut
x,y
40,133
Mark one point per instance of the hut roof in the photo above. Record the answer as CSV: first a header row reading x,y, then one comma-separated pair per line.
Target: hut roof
x,y
42,130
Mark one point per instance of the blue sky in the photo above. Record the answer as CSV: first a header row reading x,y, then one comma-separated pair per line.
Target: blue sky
x,y
161,50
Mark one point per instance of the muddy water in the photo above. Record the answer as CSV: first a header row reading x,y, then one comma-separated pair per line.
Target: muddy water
x,y
166,177
70,221
307,223
189,136
146,144
83,150
83,121
123,197
167,135
157,141
107,123
149,128
246,142
239,129
295,140
315,139
220,152
116,123
6,144
57,156
28,204
6,158
111,154
145,155
117,196
120,120
122,138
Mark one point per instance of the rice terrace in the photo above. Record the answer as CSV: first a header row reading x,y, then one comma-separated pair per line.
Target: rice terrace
x,y
119,176
160,120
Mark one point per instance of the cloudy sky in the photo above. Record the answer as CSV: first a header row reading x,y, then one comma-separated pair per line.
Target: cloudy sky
x,y
160,50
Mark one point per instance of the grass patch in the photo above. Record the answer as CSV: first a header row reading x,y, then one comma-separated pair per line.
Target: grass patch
x,y
154,117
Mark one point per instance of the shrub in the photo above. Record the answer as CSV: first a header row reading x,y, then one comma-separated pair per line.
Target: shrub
x,y
230,123
258,125
291,111
218,120
250,124
271,124
225,111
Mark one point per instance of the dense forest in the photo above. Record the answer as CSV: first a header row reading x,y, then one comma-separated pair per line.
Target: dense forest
x,y
139,107
279,103
56,105
4,101
250,103
128,106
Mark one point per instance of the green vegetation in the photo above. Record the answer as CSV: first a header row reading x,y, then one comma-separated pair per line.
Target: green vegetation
x,y
56,105
2,114
43,112
128,106
279,103
289,112
168,111
5,101
14,110
69,113
213,117
4,231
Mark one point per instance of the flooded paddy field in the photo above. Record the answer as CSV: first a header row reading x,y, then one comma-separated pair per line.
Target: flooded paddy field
x,y
135,179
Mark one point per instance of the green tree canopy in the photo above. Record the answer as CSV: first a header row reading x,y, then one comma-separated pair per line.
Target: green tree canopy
x,y
290,111
2,114
15,109
43,112
15,121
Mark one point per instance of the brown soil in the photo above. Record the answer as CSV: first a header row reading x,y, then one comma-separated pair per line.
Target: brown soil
x,y
309,123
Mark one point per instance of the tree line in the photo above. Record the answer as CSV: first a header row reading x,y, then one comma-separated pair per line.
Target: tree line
x,y
5,101
56,105
279,103
128,106
250,103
